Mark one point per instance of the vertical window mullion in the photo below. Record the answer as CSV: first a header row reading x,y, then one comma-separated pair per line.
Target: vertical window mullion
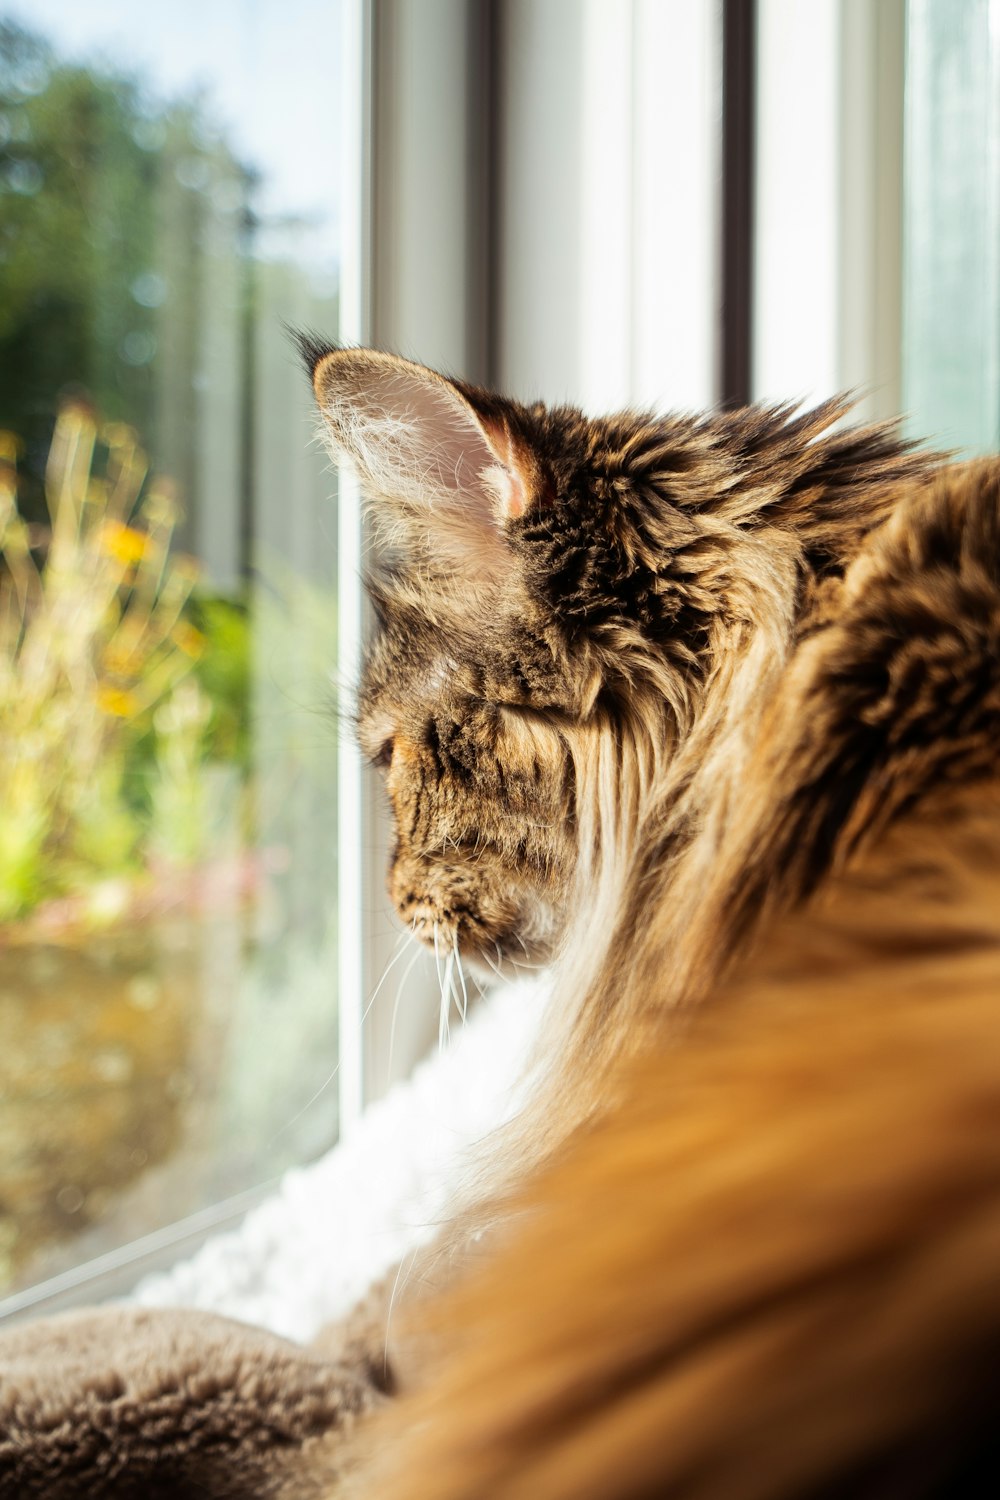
x,y
739,37
355,873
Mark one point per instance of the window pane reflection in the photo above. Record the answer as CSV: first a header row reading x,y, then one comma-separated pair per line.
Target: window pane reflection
x,y
168,202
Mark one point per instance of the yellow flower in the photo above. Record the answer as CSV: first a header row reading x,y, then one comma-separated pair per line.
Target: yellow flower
x,y
116,701
124,543
10,446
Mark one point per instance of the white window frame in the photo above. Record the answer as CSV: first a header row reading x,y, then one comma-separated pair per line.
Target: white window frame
x,y
608,162
828,202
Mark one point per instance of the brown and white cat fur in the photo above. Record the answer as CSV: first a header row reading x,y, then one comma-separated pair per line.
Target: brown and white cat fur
x,y
709,710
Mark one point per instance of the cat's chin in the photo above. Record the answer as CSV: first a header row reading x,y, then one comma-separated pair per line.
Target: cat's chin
x,y
510,953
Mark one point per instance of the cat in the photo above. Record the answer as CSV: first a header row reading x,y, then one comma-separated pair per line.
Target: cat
x,y
583,626
704,712
708,710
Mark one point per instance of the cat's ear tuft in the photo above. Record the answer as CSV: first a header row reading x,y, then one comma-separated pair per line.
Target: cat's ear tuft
x,y
312,347
422,449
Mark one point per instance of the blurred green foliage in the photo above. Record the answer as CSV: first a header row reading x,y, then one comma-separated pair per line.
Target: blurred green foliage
x,y
117,686
223,671
130,287
98,179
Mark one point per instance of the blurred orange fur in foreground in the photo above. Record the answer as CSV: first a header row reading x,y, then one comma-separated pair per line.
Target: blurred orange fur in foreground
x,y
775,1270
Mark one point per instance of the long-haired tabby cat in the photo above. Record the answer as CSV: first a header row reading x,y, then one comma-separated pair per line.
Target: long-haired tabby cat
x,y
705,710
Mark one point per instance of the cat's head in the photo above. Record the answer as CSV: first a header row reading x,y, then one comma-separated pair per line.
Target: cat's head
x,y
516,606
550,593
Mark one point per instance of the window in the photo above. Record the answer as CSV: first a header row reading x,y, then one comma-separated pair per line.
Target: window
x,y
531,193
171,195
878,217
951,352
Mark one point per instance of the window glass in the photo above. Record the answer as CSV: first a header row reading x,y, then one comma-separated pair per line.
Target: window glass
x,y
951,356
169,202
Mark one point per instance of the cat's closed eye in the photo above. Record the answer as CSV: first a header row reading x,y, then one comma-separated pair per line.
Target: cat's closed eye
x,y
382,759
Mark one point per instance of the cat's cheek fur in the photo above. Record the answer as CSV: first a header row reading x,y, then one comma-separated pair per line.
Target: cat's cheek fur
x,y
485,846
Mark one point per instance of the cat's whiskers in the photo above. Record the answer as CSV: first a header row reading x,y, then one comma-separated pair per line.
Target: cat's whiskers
x,y
461,977
444,1023
437,953
444,984
494,966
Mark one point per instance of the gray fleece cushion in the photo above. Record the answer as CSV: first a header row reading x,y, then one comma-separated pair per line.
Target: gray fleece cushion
x,y
123,1403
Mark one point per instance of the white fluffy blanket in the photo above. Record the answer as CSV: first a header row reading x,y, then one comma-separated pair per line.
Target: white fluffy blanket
x,y
306,1255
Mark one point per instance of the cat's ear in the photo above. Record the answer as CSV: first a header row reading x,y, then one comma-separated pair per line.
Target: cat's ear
x,y
453,477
